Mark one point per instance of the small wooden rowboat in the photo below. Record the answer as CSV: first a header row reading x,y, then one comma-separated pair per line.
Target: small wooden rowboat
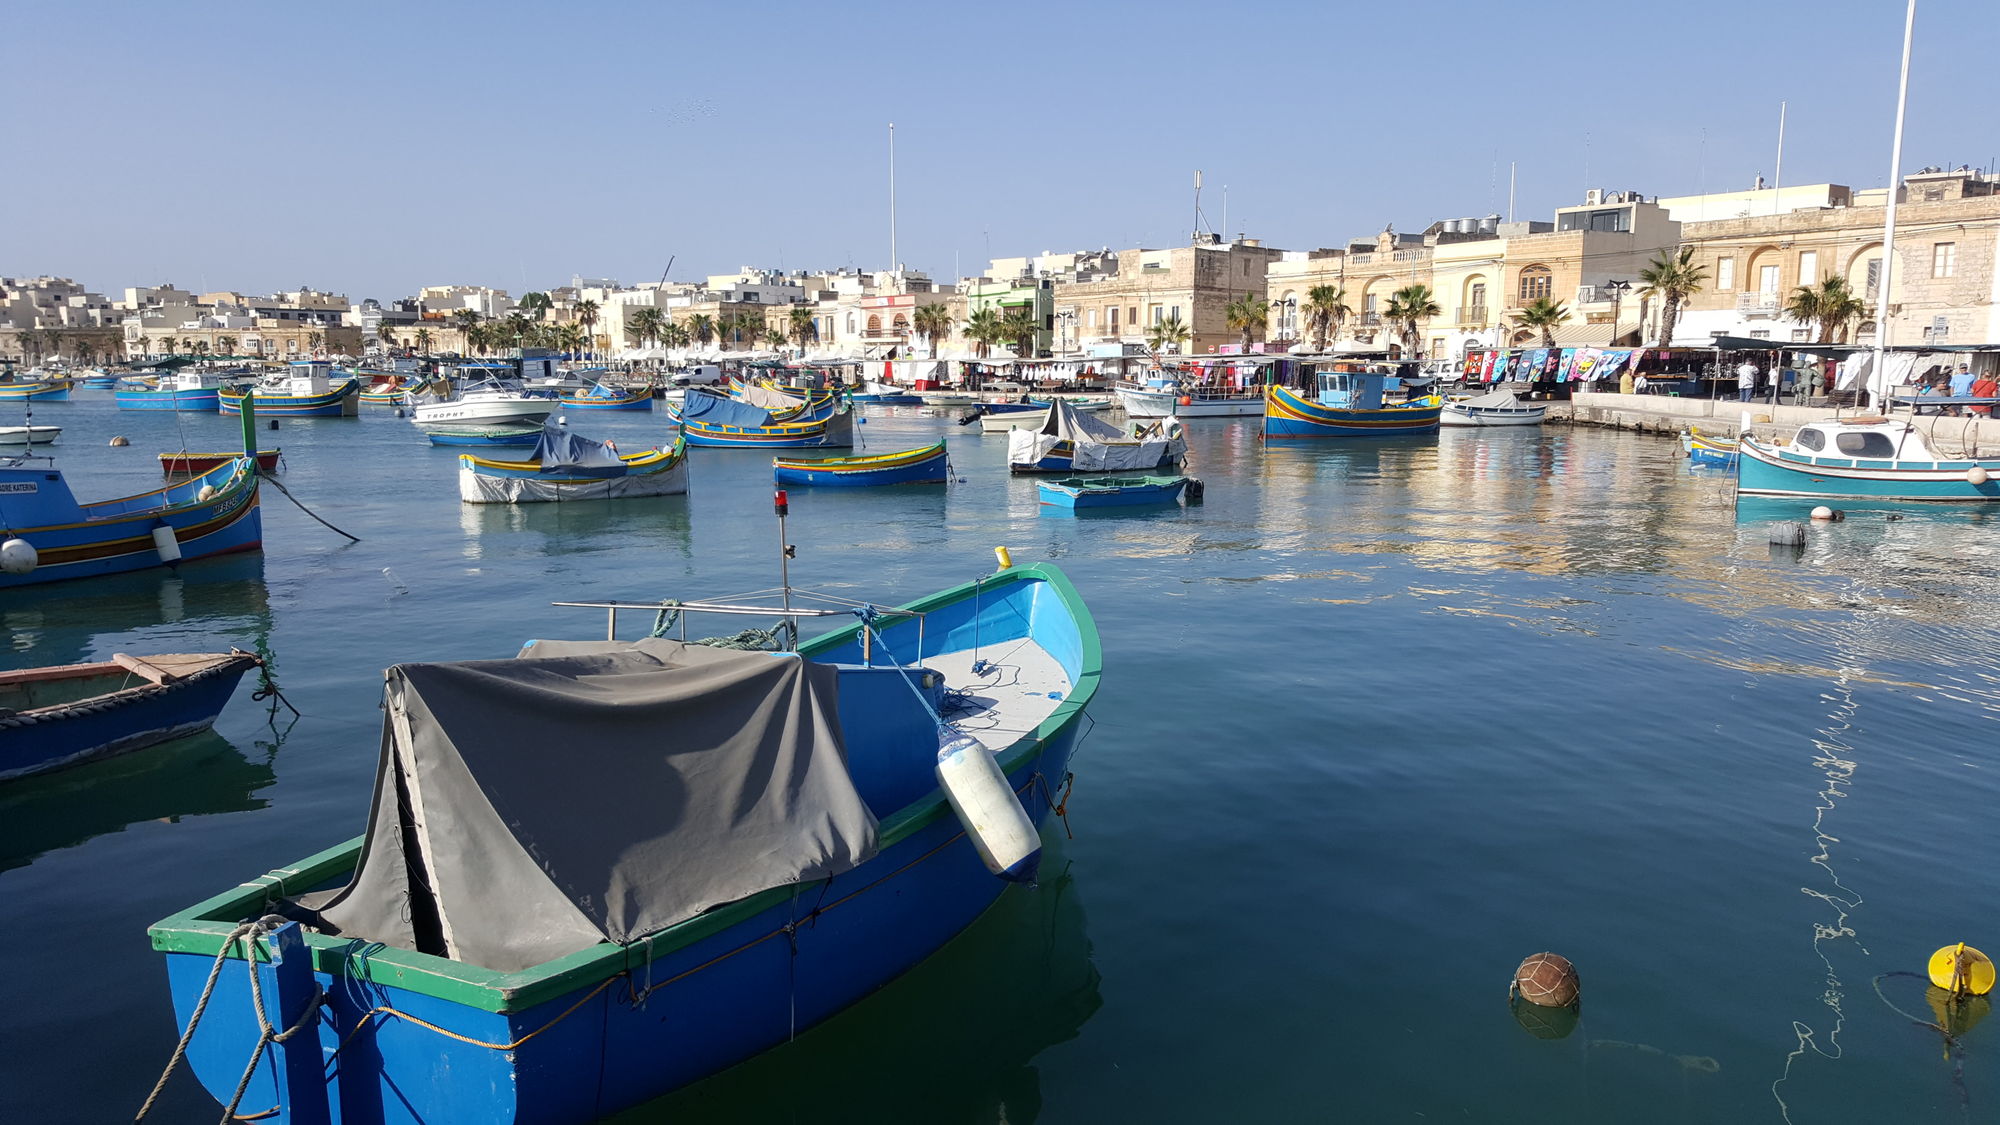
x,y
928,465
29,435
601,397
500,436
185,463
51,718
1111,492
52,390
1705,450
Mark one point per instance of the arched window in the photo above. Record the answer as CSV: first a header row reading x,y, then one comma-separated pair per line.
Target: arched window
x,y
850,324
874,325
901,325
1536,282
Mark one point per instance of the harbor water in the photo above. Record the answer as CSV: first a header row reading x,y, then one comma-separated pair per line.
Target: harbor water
x,y
1378,720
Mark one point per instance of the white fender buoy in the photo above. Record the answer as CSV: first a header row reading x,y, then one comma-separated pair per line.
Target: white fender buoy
x,y
119,443
1822,513
986,806
165,543
1976,474
207,493
18,556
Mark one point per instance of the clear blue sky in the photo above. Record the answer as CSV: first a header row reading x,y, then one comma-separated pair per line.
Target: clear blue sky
x,y
374,148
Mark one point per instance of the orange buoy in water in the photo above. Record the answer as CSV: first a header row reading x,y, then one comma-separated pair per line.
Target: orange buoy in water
x,y
1547,979
1187,400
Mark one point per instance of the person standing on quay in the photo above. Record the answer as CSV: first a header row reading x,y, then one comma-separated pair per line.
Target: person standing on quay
x,y
1746,380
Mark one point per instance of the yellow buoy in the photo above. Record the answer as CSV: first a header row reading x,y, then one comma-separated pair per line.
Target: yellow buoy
x,y
1005,556
1962,970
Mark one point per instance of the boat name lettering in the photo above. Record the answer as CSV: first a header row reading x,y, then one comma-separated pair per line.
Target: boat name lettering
x,y
19,486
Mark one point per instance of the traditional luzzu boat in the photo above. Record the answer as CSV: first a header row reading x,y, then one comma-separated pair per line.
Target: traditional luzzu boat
x,y
1702,449
1867,458
40,390
193,392
836,833
308,390
600,397
1346,403
499,437
1111,492
567,466
928,465
52,718
885,394
1069,441
46,536
712,420
1500,408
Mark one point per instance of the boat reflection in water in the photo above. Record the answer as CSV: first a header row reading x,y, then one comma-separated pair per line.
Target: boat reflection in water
x,y
583,526
196,776
223,599
963,1027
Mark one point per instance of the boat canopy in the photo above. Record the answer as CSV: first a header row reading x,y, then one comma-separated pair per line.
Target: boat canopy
x,y
1095,444
558,448
586,792
1493,400
716,410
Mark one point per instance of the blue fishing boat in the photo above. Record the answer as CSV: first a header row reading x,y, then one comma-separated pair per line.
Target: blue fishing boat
x,y
927,465
187,391
1111,492
39,390
1702,449
567,466
1347,401
1869,458
711,420
308,390
52,718
601,397
46,536
501,437
1069,441
563,969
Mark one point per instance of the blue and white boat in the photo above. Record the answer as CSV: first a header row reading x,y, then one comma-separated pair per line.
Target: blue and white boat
x,y
192,392
498,437
1702,449
46,536
1346,401
53,718
568,967
40,390
309,389
712,420
600,397
1111,492
1869,458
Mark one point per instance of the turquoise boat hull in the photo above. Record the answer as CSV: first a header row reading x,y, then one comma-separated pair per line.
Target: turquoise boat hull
x,y
1110,494
1765,471
76,540
585,1036
341,401
205,401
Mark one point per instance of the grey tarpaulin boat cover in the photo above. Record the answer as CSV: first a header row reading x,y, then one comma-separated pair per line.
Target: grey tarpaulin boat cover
x,y
1095,443
594,791
557,448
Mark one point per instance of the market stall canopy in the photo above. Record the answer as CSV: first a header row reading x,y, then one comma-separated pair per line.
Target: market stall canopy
x,y
587,792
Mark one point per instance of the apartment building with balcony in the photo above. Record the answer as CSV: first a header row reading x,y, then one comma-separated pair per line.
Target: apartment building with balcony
x,y
1107,307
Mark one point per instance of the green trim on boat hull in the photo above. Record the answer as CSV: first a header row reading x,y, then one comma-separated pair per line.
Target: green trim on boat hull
x,y
201,928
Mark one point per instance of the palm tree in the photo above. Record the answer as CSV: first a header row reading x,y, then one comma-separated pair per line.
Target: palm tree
x,y
674,334
465,320
933,323
1326,313
984,327
225,345
1247,314
1672,275
1407,306
478,338
774,338
536,303
53,339
645,324
314,340
424,338
387,334
586,315
804,326
701,328
201,347
1545,314
1168,333
1828,306
1020,328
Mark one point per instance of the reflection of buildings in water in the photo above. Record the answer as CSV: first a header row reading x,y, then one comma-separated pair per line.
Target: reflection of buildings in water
x,y
193,776
963,1028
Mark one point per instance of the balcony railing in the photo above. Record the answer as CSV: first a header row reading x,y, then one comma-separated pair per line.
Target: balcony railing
x,y
1472,314
1757,304
1371,320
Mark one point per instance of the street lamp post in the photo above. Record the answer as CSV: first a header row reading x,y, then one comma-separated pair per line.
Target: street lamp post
x,y
1618,289
1285,308
1067,319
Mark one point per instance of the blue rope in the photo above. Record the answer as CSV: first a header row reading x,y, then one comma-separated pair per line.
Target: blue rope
x,y
868,615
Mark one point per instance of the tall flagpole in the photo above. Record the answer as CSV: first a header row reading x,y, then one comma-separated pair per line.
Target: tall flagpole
x,y
894,262
1778,174
1877,384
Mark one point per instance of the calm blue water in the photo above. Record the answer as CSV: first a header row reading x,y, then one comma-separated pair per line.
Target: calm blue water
x,y
1378,721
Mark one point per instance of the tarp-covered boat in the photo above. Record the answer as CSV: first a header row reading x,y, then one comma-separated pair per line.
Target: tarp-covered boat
x,y
927,465
567,466
51,718
726,849
600,397
1069,440
712,420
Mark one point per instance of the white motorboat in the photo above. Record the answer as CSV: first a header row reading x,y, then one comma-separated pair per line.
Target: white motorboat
x,y
1500,408
29,435
991,423
486,401
1162,398
947,398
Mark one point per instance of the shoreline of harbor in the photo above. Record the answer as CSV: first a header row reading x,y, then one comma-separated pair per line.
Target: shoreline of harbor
x,y
1667,414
